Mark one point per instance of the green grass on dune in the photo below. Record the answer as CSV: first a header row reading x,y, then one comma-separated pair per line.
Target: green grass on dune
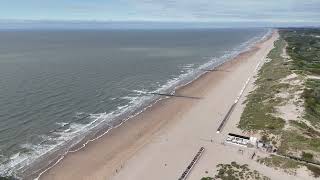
x,y
260,103
301,139
279,162
312,101
235,171
304,49
294,141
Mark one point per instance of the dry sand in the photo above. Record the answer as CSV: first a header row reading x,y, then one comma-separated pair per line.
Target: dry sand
x,y
160,142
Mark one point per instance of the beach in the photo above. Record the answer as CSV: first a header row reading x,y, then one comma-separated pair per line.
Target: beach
x,y
161,142
67,98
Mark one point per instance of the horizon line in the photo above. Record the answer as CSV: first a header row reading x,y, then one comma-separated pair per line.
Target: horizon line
x,y
155,21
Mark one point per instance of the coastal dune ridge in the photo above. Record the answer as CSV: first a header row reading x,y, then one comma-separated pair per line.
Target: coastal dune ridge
x,y
249,47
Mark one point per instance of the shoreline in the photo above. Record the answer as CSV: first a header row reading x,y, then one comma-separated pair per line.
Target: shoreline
x,y
52,156
184,104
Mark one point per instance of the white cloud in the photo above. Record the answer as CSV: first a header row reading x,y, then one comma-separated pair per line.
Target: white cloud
x,y
231,10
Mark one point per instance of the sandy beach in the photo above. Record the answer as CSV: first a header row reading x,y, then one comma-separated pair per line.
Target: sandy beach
x,y
160,142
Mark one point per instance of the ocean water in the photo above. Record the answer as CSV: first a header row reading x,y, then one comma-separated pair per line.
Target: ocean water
x,y
59,86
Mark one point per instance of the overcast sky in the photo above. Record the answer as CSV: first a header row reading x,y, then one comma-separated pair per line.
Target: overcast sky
x,y
277,11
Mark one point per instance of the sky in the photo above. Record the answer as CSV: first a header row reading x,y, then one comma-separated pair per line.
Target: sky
x,y
306,12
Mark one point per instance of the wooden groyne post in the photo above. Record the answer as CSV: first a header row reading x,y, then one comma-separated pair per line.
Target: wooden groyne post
x,y
191,165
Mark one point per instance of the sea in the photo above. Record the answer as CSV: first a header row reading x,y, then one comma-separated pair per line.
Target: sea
x,y
58,88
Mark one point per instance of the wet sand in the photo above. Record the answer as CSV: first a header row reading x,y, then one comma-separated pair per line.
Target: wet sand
x,y
160,142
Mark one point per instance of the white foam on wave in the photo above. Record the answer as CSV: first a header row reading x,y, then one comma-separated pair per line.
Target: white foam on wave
x,y
75,132
14,156
79,131
62,124
187,66
140,91
130,98
122,107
